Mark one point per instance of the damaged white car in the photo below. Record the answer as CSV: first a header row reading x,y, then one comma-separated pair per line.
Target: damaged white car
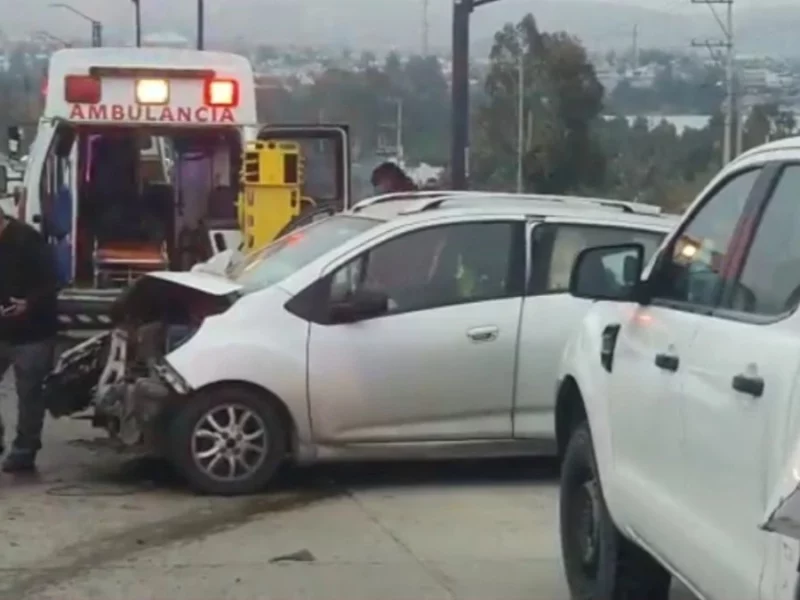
x,y
416,328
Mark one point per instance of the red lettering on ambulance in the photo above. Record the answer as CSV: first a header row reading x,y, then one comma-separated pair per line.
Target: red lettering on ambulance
x,y
97,112
226,116
151,114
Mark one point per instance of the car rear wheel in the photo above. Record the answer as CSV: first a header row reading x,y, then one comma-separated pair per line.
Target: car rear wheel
x,y
598,562
228,441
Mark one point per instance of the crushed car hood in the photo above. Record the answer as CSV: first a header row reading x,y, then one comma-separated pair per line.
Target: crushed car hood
x,y
783,508
170,295
208,283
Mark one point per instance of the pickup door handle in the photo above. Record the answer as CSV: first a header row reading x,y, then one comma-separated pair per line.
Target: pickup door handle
x,y
753,386
668,362
483,334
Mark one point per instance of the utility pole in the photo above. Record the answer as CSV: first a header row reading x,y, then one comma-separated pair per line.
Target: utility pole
x,y
459,134
520,115
386,149
201,19
636,47
398,137
730,93
425,28
138,22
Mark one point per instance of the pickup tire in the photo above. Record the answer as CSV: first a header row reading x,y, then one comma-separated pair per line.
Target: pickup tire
x,y
599,563
241,431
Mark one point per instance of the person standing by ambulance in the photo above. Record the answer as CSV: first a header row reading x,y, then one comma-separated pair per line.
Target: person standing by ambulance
x,y
28,329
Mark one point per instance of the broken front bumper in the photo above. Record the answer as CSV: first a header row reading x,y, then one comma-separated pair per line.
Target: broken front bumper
x,y
93,376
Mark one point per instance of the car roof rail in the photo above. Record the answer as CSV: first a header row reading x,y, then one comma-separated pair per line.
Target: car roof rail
x,y
397,196
440,201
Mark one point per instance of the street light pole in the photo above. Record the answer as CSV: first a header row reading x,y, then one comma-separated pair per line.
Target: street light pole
x,y
520,115
200,24
97,26
138,23
459,134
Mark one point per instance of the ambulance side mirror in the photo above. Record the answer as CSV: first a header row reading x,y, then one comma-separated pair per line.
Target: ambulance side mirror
x,y
14,135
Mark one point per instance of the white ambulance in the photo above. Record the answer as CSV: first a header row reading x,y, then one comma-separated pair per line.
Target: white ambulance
x,y
135,166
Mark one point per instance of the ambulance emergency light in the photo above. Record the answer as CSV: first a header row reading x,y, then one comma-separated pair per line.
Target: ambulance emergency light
x,y
222,92
152,91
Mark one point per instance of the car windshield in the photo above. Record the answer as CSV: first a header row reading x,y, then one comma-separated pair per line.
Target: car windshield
x,y
292,252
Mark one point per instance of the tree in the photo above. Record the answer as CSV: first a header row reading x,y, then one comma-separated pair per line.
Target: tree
x,y
562,99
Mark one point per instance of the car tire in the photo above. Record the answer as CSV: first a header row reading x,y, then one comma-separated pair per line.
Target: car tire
x,y
241,468
599,563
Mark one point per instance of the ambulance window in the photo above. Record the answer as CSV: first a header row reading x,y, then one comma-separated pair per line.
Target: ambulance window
x,y
320,162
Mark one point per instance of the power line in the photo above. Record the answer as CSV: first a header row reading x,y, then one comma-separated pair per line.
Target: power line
x,y
726,26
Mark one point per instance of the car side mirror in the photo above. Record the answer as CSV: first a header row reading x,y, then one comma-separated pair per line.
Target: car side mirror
x,y
608,273
363,304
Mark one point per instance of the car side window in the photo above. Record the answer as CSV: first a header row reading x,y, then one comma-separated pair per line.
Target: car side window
x,y
437,266
697,265
556,246
769,284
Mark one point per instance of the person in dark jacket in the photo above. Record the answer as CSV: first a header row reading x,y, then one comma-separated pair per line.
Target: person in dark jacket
x,y
28,328
389,178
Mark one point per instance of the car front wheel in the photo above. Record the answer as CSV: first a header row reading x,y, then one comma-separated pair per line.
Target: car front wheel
x,y
228,441
598,562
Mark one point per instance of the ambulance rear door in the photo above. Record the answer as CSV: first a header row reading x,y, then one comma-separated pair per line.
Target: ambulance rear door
x,y
325,152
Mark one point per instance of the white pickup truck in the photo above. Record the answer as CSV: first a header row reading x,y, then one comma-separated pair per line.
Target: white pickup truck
x,y
678,406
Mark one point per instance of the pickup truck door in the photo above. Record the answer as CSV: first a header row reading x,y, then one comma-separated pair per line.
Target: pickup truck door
x,y
650,367
740,378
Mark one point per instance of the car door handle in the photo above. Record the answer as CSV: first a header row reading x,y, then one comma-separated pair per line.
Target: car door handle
x,y
483,334
747,384
668,362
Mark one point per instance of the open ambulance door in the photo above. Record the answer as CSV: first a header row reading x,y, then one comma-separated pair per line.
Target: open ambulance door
x,y
325,165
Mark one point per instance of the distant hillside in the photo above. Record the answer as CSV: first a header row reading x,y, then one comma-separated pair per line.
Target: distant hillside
x,y
397,23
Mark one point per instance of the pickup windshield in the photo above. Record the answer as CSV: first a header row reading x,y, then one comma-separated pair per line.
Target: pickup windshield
x,y
294,251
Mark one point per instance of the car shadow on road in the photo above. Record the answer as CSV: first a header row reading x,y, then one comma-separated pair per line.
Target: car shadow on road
x,y
141,474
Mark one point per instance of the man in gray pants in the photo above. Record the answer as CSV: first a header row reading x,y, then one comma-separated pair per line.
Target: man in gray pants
x,y
28,329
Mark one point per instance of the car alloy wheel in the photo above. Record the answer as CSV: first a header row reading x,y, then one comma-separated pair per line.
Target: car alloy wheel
x,y
230,442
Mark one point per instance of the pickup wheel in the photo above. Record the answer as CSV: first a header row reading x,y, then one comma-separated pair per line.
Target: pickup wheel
x,y
228,441
598,562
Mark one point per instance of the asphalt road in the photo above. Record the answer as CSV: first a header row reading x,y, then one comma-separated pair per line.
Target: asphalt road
x,y
97,526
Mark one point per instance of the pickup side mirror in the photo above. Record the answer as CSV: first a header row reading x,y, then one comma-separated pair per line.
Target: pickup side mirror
x,y
363,304
608,273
